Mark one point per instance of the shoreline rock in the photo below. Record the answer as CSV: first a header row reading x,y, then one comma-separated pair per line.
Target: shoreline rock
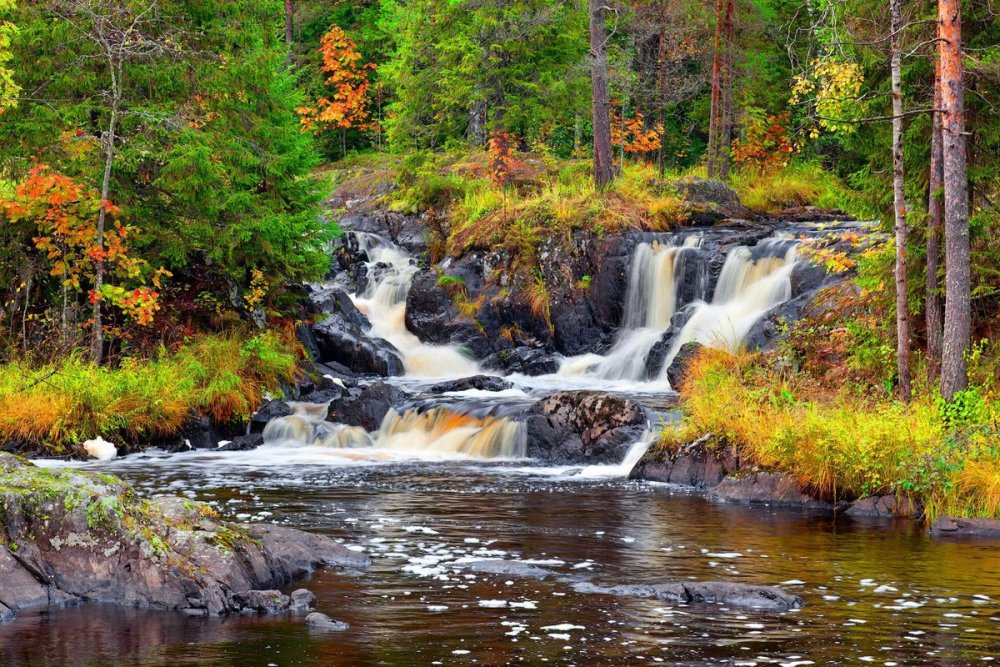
x,y
958,528
70,537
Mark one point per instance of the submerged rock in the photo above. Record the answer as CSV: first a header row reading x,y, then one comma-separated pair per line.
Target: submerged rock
x,y
71,536
738,596
884,507
524,360
955,527
771,488
318,621
583,427
508,568
365,406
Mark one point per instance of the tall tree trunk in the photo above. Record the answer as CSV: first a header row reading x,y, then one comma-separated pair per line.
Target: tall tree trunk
x,y
935,211
661,84
726,122
603,168
899,207
957,315
289,29
715,112
97,341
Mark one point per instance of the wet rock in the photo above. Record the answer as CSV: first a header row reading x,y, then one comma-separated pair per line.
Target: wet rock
x,y
583,427
710,201
268,412
765,488
365,406
694,465
243,443
955,527
523,360
732,595
336,302
344,343
480,382
200,433
679,365
806,277
508,568
261,602
885,507
318,621
773,326
83,536
302,599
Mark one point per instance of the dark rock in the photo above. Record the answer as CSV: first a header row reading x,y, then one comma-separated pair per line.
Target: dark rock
x,y
523,360
268,412
955,527
365,407
679,365
694,465
304,334
201,433
243,443
736,596
86,536
318,621
346,344
885,507
772,327
583,427
806,276
336,302
302,600
710,201
767,488
480,382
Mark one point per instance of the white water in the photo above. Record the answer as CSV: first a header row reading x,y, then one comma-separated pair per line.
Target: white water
x,y
384,303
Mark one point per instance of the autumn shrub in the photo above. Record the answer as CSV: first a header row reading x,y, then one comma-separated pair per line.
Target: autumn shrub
x,y
841,445
58,406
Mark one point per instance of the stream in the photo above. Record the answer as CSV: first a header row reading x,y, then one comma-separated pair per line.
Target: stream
x,y
444,482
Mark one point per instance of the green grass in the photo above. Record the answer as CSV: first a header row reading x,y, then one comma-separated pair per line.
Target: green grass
x,y
798,184
58,406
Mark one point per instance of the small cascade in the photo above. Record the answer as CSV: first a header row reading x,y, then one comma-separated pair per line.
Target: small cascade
x,y
434,433
655,280
752,282
391,272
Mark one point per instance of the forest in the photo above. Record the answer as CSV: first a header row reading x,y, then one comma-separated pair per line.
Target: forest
x,y
745,246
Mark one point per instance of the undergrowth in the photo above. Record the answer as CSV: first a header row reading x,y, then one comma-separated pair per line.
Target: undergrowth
x,y
59,405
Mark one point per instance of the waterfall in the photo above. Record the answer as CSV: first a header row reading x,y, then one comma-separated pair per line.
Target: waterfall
x,y
391,271
653,294
434,433
752,282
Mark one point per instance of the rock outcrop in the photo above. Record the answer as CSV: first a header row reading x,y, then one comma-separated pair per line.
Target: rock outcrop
x,y
955,527
69,537
583,427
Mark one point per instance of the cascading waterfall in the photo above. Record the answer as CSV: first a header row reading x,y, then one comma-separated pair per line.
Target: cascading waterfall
x,y
384,302
752,282
434,433
651,300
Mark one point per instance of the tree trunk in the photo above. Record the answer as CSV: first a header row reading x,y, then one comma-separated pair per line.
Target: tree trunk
x,y
899,207
603,168
715,112
726,122
661,84
289,29
935,210
97,342
957,315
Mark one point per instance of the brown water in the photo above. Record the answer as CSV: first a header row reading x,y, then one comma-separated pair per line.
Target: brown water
x,y
873,595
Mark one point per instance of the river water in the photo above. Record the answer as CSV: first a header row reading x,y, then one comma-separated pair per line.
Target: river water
x,y
874,593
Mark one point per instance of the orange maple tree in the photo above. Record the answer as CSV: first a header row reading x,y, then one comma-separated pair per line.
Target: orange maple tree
x,y
500,153
766,144
632,135
347,105
63,213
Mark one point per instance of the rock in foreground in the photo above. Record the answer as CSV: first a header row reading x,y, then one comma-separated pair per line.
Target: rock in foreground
x,y
69,536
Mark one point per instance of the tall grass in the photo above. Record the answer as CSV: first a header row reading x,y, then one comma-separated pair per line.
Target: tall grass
x,y
58,406
798,184
840,446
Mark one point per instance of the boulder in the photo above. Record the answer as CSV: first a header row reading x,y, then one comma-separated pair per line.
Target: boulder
x,y
243,443
769,488
365,406
679,365
772,327
887,506
694,465
955,527
318,621
267,412
480,382
583,427
73,536
710,201
806,276
341,342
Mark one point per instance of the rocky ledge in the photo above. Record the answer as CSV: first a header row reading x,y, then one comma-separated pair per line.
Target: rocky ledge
x,y
68,537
